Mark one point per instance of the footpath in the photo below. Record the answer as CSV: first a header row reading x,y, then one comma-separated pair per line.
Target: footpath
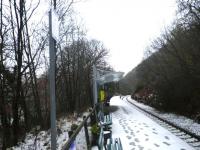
x,y
138,132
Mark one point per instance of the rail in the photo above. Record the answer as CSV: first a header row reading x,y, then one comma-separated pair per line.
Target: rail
x,y
192,135
73,136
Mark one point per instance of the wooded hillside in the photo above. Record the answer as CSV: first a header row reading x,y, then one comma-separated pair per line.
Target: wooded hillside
x,y
171,69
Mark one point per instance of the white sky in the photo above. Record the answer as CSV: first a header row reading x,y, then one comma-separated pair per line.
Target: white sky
x,y
126,27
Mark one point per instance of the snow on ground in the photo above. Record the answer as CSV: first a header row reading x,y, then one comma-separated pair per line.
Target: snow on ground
x,y
139,132
42,141
135,130
181,121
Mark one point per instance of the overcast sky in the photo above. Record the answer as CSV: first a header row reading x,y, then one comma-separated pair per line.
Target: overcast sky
x,y
126,27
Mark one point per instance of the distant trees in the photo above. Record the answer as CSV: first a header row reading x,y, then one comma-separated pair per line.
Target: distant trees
x,y
24,90
172,67
74,78
127,84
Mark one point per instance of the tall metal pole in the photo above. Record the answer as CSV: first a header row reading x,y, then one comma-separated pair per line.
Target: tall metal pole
x,y
94,85
52,53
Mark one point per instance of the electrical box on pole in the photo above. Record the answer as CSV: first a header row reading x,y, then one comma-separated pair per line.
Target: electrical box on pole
x,y
55,25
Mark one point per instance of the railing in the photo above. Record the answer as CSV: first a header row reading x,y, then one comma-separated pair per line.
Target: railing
x,y
73,136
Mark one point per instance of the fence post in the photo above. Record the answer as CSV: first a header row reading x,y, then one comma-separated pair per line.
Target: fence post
x,y
86,133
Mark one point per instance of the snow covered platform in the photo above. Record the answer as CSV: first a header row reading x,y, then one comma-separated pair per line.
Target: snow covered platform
x,y
138,132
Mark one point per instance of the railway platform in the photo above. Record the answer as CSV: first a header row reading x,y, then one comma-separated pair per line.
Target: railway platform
x,y
139,132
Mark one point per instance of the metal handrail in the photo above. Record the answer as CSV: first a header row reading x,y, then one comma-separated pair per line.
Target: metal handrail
x,y
73,136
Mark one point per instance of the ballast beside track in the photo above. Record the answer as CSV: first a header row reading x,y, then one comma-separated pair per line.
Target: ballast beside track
x,y
189,137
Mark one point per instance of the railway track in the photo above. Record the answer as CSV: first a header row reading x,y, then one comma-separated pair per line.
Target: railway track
x,y
189,137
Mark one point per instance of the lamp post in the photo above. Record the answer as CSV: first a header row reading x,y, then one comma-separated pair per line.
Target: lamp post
x,y
53,36
94,85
